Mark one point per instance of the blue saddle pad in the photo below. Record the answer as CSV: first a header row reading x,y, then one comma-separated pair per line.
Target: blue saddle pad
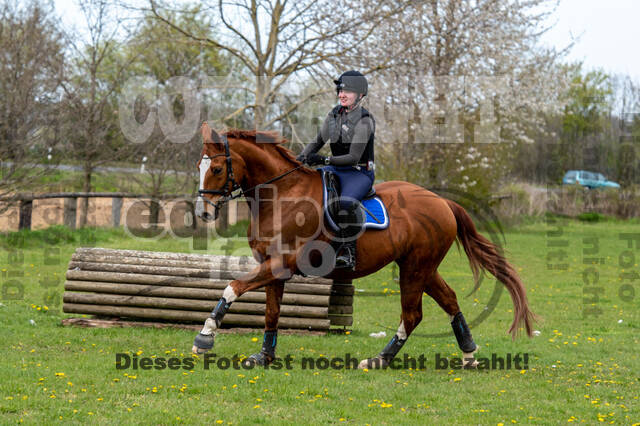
x,y
374,209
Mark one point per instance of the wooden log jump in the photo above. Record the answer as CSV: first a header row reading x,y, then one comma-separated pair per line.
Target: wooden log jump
x,y
184,288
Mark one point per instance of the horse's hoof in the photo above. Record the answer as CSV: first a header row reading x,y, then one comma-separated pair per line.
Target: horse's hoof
x,y
202,343
468,361
373,363
261,359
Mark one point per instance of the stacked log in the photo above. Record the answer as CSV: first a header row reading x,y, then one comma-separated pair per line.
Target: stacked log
x,y
179,287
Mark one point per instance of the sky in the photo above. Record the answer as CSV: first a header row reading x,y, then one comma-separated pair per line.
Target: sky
x,y
606,32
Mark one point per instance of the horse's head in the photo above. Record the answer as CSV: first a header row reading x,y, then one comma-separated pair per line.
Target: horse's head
x,y
221,172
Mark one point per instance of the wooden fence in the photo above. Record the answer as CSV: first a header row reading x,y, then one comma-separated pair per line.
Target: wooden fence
x,y
229,214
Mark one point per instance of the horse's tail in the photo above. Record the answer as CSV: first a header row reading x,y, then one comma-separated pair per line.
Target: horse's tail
x,y
484,255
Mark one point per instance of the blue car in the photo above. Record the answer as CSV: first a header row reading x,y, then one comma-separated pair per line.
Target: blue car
x,y
589,180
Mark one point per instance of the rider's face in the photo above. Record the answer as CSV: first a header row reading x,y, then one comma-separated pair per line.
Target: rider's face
x,y
347,98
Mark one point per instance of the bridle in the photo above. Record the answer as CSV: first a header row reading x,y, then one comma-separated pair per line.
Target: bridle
x,y
227,195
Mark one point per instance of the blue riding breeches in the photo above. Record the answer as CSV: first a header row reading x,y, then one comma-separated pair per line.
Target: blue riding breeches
x,y
354,184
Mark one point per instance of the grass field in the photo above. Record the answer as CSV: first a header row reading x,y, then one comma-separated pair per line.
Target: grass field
x,y
69,181
583,367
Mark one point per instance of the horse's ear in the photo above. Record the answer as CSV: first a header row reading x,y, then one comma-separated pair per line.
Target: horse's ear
x,y
208,134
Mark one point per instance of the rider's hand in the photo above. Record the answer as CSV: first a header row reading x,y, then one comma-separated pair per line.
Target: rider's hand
x,y
302,158
315,159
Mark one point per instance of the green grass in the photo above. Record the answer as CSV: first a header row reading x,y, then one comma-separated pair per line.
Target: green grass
x,y
581,368
70,181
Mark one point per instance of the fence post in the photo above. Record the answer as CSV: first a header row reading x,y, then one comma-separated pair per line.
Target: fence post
x,y
26,207
69,214
223,217
116,210
233,212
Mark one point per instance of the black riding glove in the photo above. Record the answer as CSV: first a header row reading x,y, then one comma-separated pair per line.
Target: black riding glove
x,y
302,158
315,159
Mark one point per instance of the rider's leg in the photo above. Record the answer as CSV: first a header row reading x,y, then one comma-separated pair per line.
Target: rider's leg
x,y
350,222
354,186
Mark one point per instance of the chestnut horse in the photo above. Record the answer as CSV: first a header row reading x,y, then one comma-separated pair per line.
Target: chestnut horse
x,y
287,219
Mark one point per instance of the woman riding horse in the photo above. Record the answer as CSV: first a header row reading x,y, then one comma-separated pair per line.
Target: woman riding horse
x,y
286,229
349,129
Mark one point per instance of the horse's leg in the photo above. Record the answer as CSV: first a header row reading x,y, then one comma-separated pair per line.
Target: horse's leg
x,y
272,314
270,271
444,295
411,288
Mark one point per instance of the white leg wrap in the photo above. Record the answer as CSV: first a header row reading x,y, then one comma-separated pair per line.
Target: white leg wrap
x,y
229,295
209,327
402,334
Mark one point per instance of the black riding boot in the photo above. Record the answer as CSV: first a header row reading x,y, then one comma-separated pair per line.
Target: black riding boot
x,y
349,222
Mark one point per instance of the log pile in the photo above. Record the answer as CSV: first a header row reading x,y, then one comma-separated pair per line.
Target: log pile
x,y
182,288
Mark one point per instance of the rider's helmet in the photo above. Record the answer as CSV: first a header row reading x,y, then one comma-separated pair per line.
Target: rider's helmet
x,y
353,81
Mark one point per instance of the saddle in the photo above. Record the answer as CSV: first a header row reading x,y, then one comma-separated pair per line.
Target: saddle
x,y
373,211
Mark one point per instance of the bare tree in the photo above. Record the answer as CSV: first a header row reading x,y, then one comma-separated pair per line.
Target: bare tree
x,y
276,40
96,73
464,64
31,48
163,53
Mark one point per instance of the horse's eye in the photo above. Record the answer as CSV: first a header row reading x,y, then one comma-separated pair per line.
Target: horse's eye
x,y
217,170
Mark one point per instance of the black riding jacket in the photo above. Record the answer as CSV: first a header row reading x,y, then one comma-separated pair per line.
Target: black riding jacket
x,y
350,136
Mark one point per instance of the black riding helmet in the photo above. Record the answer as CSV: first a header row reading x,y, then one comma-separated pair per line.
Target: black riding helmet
x,y
353,81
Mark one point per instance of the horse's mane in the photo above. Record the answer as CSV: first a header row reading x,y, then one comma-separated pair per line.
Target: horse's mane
x,y
268,140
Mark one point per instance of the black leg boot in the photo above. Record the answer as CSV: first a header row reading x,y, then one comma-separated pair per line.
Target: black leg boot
x,y
268,352
350,223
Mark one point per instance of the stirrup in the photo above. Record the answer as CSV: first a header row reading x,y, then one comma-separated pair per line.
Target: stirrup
x,y
345,260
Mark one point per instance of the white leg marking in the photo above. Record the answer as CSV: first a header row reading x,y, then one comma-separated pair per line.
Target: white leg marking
x,y
451,317
209,327
229,294
402,334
